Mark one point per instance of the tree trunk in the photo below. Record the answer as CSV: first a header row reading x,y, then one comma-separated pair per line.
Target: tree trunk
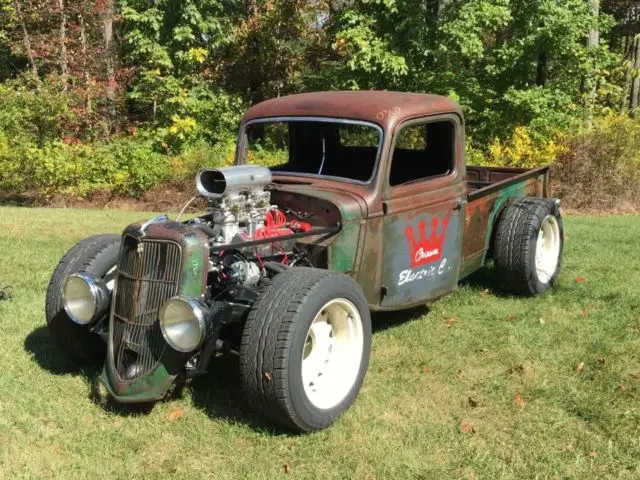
x,y
25,38
432,12
85,63
542,70
594,33
635,85
593,41
107,32
253,48
64,64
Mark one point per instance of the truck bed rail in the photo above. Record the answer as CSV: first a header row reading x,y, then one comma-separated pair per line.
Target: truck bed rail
x,y
483,181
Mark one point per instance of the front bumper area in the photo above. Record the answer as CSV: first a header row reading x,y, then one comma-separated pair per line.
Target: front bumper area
x,y
151,387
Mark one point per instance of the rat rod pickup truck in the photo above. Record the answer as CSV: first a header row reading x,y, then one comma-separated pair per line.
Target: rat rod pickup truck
x,y
367,205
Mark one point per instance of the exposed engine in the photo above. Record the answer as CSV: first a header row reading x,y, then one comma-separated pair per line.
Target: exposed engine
x,y
236,197
241,211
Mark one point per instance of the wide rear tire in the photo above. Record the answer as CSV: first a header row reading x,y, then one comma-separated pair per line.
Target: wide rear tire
x,y
96,256
305,348
528,244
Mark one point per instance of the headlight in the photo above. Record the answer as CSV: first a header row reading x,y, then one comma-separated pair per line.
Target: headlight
x,y
182,323
84,297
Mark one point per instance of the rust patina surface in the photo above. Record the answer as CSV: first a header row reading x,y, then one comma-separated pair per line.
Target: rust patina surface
x,y
386,109
409,244
194,249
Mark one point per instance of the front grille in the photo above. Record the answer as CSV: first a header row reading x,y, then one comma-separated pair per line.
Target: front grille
x,y
148,275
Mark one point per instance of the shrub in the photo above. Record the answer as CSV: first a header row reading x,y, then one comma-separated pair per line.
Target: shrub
x,y
267,157
596,168
222,154
202,155
122,166
522,149
600,168
194,115
36,115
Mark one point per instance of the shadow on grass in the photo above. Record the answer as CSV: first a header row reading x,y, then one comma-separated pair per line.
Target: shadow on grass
x,y
48,356
220,396
487,278
218,393
17,200
483,279
381,321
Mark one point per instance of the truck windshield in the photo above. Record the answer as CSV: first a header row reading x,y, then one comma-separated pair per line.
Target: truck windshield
x,y
336,149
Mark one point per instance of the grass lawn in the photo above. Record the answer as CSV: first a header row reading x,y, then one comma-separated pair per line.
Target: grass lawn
x,y
483,385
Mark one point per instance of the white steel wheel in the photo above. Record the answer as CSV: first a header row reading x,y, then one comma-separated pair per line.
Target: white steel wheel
x,y
332,353
305,348
547,249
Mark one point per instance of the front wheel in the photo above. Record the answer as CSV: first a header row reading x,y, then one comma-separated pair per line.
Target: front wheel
x,y
305,348
98,257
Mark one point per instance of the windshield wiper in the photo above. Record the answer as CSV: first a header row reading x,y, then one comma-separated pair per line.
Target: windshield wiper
x,y
323,155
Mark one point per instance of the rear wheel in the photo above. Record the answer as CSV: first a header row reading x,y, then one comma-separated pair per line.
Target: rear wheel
x,y
97,256
528,245
305,348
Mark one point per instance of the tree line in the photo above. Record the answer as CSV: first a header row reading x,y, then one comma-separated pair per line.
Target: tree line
x,y
179,72
158,62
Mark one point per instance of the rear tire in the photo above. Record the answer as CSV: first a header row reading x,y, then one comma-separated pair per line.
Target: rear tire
x,y
528,243
305,348
96,256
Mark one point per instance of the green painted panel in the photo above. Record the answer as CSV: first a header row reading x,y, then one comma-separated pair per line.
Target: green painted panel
x,y
343,250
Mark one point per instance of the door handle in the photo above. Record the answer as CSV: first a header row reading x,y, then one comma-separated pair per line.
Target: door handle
x,y
459,204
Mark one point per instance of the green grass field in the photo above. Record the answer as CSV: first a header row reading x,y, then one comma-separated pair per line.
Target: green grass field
x,y
483,385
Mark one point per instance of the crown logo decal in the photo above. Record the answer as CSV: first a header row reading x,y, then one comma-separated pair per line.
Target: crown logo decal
x,y
426,249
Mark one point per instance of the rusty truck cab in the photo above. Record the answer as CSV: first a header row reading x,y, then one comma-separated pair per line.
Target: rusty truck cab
x,y
412,207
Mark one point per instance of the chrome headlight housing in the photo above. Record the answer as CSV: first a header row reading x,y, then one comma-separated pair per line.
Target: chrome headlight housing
x,y
182,322
84,298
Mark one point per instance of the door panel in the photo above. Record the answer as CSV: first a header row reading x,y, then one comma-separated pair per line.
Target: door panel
x,y
422,247
424,196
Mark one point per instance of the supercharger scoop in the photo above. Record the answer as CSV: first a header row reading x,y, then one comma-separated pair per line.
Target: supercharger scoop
x,y
241,211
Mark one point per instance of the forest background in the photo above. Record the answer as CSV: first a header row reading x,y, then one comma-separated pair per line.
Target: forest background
x,y
107,99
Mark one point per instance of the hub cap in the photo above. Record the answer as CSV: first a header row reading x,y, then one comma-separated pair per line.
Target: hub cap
x,y
332,353
547,249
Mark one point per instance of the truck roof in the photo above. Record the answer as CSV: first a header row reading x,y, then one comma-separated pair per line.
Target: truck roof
x,y
386,109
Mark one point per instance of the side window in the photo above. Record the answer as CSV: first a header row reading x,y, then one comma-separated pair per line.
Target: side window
x,y
423,151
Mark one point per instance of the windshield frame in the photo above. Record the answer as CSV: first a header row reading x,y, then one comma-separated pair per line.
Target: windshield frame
x,y
242,141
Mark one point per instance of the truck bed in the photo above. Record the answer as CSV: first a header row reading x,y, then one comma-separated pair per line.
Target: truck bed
x,y
490,189
482,181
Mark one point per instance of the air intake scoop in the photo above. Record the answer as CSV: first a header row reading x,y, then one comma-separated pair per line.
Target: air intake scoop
x,y
220,182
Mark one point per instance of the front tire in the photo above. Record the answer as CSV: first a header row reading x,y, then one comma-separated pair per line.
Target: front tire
x,y
528,244
305,348
97,256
